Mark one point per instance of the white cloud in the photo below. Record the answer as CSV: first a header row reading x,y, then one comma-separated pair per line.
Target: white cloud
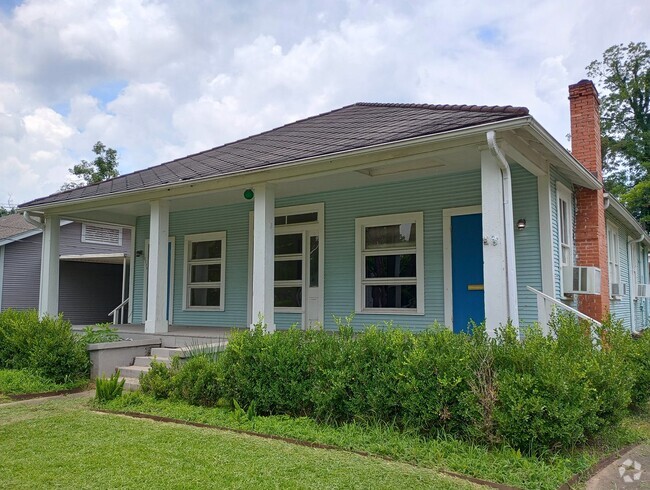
x,y
194,74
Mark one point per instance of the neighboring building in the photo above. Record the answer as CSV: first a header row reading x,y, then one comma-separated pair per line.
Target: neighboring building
x,y
407,213
92,268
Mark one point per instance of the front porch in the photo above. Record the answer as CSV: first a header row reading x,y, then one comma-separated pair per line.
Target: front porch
x,y
178,336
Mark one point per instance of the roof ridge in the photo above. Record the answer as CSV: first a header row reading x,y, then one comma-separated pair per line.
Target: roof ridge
x,y
452,107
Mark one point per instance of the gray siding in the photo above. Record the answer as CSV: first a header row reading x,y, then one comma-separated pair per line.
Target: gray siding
x,y
70,242
22,273
87,291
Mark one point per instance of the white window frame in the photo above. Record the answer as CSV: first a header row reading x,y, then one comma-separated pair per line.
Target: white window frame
x,y
360,259
613,259
187,264
565,194
85,239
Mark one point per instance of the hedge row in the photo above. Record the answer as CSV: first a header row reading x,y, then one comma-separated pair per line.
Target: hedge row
x,y
46,346
544,392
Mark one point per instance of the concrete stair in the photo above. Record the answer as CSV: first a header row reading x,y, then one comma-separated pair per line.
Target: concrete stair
x,y
131,374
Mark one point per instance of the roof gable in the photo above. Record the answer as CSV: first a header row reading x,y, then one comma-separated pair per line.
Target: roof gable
x,y
348,128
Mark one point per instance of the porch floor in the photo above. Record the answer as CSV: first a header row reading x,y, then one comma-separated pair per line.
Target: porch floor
x,y
177,336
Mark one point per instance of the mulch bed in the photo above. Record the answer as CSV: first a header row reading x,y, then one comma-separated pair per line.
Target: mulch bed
x,y
29,396
299,442
600,465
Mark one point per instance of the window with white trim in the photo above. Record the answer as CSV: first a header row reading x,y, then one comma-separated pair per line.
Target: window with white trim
x,y
205,266
565,229
390,264
613,258
101,234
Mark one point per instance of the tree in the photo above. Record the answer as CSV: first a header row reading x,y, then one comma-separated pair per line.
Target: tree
x,y
102,168
624,79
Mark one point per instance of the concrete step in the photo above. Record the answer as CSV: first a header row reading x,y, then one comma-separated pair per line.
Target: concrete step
x,y
146,361
131,384
133,371
167,352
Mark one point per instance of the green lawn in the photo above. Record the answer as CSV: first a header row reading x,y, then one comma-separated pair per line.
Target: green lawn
x,y
502,465
20,381
61,443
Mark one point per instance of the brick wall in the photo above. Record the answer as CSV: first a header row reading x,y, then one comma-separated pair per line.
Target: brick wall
x,y
591,235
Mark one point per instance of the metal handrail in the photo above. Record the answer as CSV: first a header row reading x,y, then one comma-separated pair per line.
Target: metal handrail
x,y
545,297
118,312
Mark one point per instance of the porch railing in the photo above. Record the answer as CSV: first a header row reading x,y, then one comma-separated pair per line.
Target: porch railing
x,y
546,306
119,311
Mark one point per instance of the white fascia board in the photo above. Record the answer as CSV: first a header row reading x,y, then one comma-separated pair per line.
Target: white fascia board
x,y
621,212
582,176
265,174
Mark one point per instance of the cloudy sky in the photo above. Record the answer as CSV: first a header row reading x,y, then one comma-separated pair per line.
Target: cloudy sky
x,y
160,79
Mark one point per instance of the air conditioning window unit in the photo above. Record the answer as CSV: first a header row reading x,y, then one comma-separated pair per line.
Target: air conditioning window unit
x,y
618,289
581,280
643,290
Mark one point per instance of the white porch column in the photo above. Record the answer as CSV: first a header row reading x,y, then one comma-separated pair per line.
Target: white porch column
x,y
495,278
48,302
263,255
157,280
546,249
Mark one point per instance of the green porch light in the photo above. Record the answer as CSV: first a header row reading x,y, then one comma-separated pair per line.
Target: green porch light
x,y
249,194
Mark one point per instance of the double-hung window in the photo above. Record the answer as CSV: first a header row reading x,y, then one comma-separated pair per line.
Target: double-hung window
x,y
565,228
613,260
390,264
205,266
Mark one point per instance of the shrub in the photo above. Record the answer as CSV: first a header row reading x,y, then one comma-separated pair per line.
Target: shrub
x,y
157,382
47,346
99,333
198,381
639,359
108,389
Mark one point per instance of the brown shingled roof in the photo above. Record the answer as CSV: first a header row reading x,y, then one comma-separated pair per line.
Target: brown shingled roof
x,y
350,128
12,225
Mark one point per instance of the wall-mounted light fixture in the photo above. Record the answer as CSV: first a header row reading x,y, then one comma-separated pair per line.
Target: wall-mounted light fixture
x,y
249,194
139,253
521,224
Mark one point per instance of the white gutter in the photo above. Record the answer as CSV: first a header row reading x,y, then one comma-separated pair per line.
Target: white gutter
x,y
511,270
30,219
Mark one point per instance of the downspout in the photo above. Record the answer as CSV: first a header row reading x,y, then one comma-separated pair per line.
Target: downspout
x,y
511,269
607,201
630,268
30,219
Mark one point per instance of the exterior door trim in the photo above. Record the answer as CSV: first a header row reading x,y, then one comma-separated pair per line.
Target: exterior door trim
x,y
446,250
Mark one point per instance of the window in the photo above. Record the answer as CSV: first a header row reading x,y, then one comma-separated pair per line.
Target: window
x,y
613,260
101,234
565,228
390,264
205,266
289,270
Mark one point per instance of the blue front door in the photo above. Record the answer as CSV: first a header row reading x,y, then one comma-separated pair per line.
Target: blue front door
x,y
467,270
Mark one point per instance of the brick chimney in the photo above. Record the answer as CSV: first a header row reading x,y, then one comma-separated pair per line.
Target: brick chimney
x,y
590,233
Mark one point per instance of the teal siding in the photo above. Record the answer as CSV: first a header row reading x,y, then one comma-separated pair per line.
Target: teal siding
x,y
555,229
529,266
141,234
430,196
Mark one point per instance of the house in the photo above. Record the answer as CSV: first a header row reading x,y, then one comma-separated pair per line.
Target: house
x,y
92,261
409,213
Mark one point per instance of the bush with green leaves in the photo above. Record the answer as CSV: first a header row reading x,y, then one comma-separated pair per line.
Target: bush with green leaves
x,y
108,389
535,393
99,333
157,382
47,346
198,381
